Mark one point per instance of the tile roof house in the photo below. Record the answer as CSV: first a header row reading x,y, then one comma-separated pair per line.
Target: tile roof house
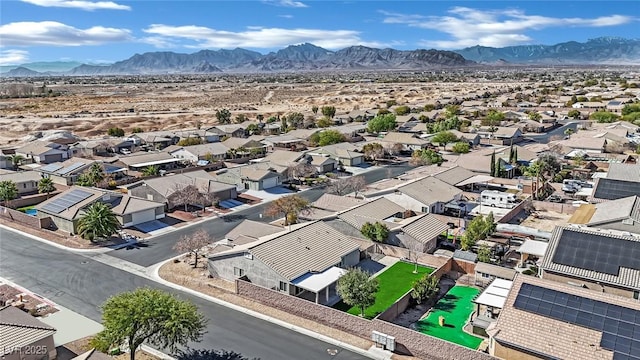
x,y
68,171
24,337
328,205
26,181
257,176
377,210
627,172
161,189
344,153
249,231
67,208
601,260
194,153
427,195
621,214
43,152
309,259
419,234
99,147
139,161
543,319
407,140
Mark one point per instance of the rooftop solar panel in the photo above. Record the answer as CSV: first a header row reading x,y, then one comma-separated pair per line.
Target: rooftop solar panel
x,y
612,189
51,167
66,201
620,330
595,252
71,168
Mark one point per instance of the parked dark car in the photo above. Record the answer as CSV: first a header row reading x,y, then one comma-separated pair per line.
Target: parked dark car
x,y
555,199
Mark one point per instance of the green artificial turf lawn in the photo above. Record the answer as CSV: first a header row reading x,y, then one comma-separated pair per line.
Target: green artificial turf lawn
x,y
455,306
394,282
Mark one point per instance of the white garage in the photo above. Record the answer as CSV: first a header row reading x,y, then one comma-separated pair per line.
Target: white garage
x,y
142,216
270,182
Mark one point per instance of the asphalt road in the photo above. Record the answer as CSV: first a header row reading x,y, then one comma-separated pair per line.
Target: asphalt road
x,y
546,137
82,285
160,248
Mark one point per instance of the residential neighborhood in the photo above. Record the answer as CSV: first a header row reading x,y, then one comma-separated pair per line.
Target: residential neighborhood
x,y
488,224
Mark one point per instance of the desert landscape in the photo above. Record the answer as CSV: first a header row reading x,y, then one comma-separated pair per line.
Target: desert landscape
x,y
90,106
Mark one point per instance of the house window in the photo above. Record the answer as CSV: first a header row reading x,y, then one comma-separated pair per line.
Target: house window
x,y
238,272
636,295
283,286
24,185
486,276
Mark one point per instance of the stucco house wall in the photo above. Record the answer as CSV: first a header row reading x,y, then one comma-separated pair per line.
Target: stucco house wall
x,y
255,270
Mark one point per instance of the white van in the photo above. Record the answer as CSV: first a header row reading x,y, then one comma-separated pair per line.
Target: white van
x,y
499,199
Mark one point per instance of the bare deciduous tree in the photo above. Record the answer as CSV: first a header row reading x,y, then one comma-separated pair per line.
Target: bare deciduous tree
x,y
301,170
193,244
291,206
346,186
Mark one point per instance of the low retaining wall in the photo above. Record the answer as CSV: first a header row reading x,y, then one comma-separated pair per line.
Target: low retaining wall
x,y
19,216
396,308
407,341
515,211
402,253
31,200
562,208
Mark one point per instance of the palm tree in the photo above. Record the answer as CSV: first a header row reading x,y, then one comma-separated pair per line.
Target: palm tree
x,y
16,160
96,173
8,191
98,222
150,171
46,186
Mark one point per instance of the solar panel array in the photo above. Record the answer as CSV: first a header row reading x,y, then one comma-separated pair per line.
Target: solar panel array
x,y
51,167
612,189
596,252
620,326
70,168
56,206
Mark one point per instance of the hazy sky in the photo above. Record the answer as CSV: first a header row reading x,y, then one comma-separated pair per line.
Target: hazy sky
x,y
107,31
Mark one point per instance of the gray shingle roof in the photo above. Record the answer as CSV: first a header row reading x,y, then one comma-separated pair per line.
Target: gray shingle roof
x,y
626,277
311,248
454,175
336,202
430,190
614,210
495,270
627,172
19,329
372,211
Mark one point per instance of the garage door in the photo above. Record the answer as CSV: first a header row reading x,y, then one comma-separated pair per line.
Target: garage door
x,y
143,216
269,183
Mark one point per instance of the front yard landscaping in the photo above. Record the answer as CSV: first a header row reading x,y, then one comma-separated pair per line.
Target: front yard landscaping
x,y
394,282
455,307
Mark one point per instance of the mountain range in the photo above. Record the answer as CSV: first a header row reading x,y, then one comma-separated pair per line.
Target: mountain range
x,y
308,57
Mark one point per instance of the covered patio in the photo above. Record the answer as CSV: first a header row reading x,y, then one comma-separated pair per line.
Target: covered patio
x,y
320,287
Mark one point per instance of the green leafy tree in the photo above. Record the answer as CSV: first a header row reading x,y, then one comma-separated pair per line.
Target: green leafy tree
x,y
136,130
493,118
631,108
380,123
377,231
148,315
425,157
314,109
98,222
324,122
429,107
604,116
8,191
295,119
253,129
535,116
240,118
96,173
328,111
444,137
289,206
373,151
46,186
85,179
190,141
574,113
327,137
403,110
115,131
461,147
484,254
492,170
151,170
451,111
223,116
391,103
357,289
425,288
568,131
477,229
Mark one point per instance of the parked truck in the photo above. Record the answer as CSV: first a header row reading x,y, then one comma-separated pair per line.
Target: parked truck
x,y
499,199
